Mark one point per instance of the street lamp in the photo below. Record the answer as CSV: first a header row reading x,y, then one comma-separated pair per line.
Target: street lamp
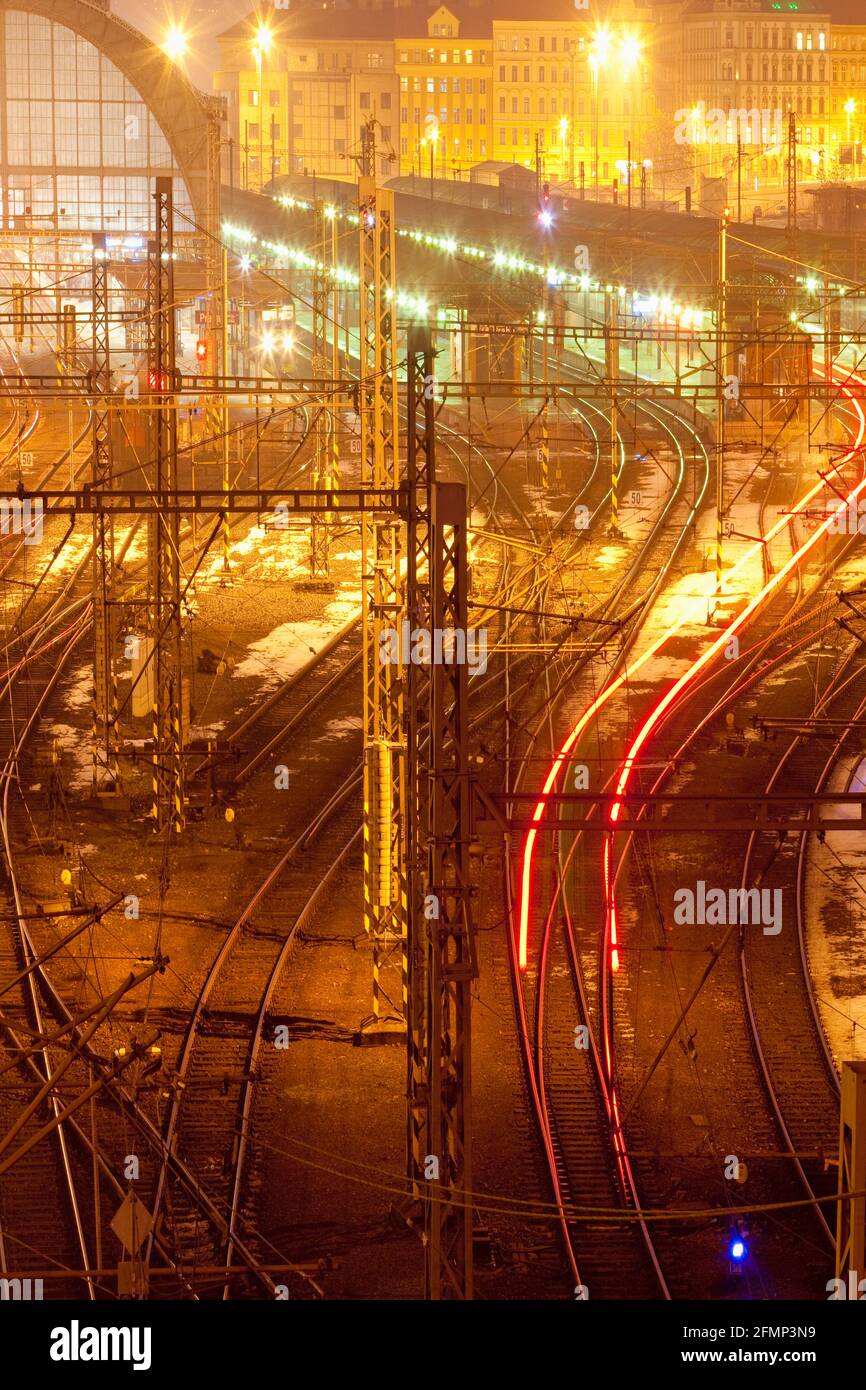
x,y
598,56
175,44
563,133
629,56
431,139
261,46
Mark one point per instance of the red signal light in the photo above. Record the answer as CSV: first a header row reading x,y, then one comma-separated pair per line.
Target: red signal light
x,y
201,350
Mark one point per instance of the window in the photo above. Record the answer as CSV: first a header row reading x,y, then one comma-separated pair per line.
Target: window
x,y
514,106
468,85
455,85
404,55
541,106
455,56
365,101
482,116
253,98
502,106
443,85
526,73
404,84
553,44
467,55
404,115
501,72
385,101
386,133
403,145
800,40
253,130
526,106
541,44
513,72
482,86
501,136
541,73
274,98
297,98
375,60
431,84
339,113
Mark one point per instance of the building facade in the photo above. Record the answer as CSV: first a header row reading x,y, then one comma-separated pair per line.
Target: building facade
x,y
732,75
91,113
459,82
672,92
445,94
848,100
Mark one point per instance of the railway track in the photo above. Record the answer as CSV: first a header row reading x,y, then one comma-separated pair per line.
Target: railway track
x,y
566,1082
762,1109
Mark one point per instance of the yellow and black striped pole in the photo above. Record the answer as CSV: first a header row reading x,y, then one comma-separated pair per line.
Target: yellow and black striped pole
x,y
154,810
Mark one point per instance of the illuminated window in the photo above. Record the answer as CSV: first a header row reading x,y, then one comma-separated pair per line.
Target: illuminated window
x,y
70,112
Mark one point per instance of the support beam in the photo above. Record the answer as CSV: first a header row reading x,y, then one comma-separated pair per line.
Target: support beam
x,y
452,965
167,805
421,476
319,558
105,759
383,608
851,1214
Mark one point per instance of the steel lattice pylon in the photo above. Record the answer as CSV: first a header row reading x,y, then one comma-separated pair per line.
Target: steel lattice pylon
x,y
421,475
851,1213
163,549
440,959
451,961
321,470
104,676
385,888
